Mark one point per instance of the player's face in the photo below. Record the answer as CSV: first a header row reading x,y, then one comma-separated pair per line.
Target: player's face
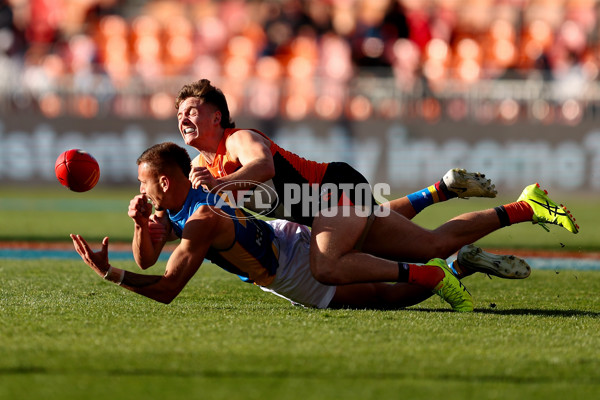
x,y
197,120
150,185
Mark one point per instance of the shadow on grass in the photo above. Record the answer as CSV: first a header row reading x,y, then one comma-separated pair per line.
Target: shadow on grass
x,y
543,313
278,374
318,376
522,311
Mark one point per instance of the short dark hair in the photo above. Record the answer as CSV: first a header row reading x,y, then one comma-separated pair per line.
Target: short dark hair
x,y
210,94
164,157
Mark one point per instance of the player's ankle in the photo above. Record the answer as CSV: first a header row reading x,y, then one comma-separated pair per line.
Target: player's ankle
x,y
460,271
428,276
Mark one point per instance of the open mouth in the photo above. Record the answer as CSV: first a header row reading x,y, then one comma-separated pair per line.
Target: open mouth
x,y
189,130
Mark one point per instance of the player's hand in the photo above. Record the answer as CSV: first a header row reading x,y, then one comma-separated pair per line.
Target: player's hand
x,y
139,209
200,176
158,229
98,261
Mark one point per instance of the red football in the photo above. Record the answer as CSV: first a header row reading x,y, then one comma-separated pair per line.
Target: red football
x,y
77,170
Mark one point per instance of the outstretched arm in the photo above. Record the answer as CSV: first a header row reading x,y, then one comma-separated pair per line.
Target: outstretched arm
x,y
200,233
180,268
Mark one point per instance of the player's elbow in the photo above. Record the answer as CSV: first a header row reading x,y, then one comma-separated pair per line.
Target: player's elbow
x,y
169,291
144,262
145,266
167,299
268,171
142,265
166,296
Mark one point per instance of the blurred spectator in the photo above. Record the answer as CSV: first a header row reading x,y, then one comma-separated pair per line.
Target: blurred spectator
x,y
298,58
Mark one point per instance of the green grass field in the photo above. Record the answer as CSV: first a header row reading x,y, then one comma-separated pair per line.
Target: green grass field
x,y
66,334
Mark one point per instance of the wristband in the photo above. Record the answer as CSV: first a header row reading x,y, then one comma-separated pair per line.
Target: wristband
x,y
119,279
108,271
121,276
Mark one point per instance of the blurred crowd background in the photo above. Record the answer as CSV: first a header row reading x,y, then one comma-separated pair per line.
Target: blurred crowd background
x,y
480,60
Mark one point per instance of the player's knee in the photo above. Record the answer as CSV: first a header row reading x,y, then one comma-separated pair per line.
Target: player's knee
x,y
324,271
438,247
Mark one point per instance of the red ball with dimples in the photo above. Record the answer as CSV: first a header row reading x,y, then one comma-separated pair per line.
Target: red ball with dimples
x,y
77,170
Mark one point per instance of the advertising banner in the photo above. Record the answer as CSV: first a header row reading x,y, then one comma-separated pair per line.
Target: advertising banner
x,y
403,155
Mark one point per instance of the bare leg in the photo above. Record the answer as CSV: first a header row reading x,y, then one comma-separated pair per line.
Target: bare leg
x,y
402,206
334,261
413,243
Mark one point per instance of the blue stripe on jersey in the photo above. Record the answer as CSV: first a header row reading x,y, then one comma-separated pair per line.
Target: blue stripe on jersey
x,y
252,256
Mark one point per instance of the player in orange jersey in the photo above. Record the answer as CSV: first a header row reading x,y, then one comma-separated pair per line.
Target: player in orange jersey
x,y
243,158
239,158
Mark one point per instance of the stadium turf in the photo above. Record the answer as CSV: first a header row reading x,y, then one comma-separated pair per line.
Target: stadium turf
x,y
66,334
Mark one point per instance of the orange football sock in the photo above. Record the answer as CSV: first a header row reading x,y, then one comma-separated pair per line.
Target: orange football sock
x,y
513,213
425,275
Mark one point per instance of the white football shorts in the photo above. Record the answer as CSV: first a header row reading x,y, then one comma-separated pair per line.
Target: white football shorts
x,y
293,280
